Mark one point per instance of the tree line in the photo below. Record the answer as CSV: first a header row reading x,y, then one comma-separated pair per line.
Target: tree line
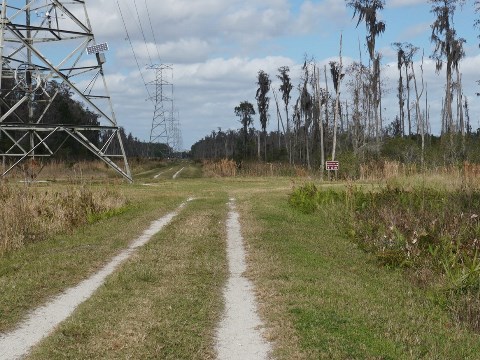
x,y
69,111
322,121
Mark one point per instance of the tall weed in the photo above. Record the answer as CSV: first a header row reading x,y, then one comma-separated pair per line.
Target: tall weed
x,y
29,214
426,231
231,168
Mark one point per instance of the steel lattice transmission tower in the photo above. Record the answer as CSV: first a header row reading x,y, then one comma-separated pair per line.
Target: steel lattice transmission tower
x,y
165,125
48,47
163,104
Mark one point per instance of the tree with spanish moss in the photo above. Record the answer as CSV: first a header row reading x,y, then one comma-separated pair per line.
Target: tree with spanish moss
x,y
448,49
245,111
367,11
263,101
285,88
304,111
405,54
477,25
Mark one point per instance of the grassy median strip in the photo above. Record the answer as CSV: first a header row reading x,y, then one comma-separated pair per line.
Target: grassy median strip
x,y
190,171
163,303
323,298
31,275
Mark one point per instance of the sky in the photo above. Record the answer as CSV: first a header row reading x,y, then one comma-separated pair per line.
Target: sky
x,y
217,47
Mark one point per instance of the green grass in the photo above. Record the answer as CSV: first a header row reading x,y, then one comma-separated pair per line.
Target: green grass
x,y
164,303
325,299
190,171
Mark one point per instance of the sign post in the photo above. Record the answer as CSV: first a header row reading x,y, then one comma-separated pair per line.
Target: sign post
x,y
332,165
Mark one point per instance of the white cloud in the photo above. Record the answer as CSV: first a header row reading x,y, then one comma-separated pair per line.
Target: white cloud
x,y
181,51
325,15
205,94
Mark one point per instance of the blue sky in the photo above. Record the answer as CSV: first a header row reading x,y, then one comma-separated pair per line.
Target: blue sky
x,y
217,47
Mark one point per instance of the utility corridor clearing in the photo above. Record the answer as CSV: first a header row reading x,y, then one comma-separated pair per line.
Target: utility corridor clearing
x,y
187,293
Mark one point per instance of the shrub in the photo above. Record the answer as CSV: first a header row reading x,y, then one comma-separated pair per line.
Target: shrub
x,y
434,235
308,198
426,231
304,198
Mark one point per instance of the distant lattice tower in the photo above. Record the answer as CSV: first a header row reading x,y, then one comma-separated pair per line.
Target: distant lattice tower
x,y
176,134
48,46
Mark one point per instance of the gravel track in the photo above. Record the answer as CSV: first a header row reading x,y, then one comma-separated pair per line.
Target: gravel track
x,y
178,173
239,335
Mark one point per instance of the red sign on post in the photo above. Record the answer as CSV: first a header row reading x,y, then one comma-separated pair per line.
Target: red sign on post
x,y
332,165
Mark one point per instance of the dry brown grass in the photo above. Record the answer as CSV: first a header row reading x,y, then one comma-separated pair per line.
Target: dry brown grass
x,y
30,214
452,176
54,170
222,168
386,170
230,168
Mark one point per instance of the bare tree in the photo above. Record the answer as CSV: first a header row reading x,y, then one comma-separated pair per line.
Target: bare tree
x,y
358,76
477,25
280,121
419,115
457,54
321,97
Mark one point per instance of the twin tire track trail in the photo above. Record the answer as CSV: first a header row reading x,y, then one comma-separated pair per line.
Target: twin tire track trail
x,y
238,335
163,172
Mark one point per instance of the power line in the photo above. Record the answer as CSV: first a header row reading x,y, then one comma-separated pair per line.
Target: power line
x,y
153,32
133,50
164,125
141,29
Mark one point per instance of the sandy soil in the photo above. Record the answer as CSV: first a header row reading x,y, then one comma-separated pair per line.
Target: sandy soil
x,y
44,320
239,335
177,173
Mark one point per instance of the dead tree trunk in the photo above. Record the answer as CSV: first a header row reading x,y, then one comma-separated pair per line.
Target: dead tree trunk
x,y
419,115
